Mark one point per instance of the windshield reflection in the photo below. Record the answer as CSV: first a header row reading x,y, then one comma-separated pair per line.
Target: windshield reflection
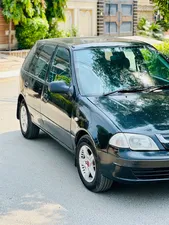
x,y
102,70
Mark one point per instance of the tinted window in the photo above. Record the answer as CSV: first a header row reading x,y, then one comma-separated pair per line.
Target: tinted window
x,y
41,60
28,59
60,69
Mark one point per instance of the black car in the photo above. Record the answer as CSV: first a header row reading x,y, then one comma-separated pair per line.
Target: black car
x,y
105,100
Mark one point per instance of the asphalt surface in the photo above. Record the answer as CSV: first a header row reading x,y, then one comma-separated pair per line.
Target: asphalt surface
x,y
39,184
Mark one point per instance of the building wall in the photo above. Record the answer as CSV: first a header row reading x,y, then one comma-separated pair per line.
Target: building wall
x,y
143,2
135,16
83,15
145,9
4,33
100,17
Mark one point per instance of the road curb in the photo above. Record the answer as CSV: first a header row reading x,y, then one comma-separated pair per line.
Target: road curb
x,y
8,74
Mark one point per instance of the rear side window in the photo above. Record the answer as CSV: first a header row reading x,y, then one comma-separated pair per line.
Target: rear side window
x,y
41,60
29,58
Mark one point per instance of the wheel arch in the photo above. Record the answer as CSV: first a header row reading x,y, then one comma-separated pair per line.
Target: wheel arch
x,y
20,99
80,134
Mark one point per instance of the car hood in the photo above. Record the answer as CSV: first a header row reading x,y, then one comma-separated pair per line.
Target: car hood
x,y
136,112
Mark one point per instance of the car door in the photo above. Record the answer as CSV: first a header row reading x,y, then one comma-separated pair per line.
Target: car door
x,y
57,108
36,79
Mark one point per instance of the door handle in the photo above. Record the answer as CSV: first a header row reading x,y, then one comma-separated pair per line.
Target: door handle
x,y
26,84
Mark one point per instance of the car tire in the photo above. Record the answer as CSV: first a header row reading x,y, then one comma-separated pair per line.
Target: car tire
x,y
89,167
28,129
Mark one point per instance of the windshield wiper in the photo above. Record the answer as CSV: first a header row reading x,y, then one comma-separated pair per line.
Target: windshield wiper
x,y
149,89
161,87
124,91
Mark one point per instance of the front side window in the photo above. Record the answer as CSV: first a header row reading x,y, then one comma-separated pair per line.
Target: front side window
x,y
101,70
60,68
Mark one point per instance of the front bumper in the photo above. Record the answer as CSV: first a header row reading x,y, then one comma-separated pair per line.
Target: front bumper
x,y
135,166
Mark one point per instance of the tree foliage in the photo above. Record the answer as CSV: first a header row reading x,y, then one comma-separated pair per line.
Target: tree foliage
x,y
153,30
34,19
31,31
163,7
20,11
55,9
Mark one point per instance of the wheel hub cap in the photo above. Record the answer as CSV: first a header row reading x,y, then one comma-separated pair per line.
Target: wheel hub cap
x,y
87,163
24,118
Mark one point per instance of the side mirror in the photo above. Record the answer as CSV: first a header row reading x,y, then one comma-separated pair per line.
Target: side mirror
x,y
58,87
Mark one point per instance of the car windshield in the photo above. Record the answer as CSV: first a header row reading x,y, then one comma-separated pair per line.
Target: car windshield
x,y
101,70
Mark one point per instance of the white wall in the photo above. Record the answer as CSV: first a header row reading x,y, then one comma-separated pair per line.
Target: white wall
x,y
82,15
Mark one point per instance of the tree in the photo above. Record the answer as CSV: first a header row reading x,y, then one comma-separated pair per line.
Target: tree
x,y
44,15
28,33
55,9
163,7
19,11
27,15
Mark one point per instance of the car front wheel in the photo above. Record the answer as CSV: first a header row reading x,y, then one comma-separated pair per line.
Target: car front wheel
x,y
28,129
88,167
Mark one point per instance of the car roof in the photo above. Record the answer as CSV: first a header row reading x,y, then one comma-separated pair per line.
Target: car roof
x,y
87,42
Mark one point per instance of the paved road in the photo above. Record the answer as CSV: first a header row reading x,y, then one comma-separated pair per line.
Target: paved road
x,y
8,96
39,184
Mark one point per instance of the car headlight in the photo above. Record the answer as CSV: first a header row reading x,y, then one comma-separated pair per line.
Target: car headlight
x,y
135,142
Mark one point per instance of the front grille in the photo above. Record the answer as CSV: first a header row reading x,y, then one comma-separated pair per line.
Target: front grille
x,y
152,173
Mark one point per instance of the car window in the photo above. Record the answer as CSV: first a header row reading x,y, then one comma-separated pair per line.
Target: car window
x,y
60,67
112,68
156,63
28,60
41,60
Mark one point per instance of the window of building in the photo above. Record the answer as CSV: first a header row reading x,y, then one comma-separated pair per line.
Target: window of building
x,y
110,27
111,9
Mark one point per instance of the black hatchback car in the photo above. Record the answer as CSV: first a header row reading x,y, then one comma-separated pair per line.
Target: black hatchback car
x,y
105,100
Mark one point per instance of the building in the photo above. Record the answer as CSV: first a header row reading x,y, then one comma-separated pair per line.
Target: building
x,y
120,17
106,17
81,14
146,10
4,27
117,17
95,17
